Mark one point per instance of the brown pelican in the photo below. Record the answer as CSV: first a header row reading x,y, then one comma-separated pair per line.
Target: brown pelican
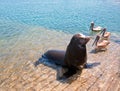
x,y
100,44
95,29
105,34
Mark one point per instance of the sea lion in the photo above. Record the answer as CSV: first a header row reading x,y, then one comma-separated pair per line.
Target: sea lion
x,y
75,55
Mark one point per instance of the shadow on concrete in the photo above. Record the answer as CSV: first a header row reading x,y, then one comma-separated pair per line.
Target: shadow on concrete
x,y
91,65
95,51
117,41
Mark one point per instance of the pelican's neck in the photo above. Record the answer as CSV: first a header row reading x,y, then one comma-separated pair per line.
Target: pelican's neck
x,y
104,30
92,26
97,40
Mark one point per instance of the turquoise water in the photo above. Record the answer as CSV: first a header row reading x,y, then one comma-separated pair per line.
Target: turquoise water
x,y
69,16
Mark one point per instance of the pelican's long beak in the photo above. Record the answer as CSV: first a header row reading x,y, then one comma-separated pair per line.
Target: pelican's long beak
x,y
96,40
103,31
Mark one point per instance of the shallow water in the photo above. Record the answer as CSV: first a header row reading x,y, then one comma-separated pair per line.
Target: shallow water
x,y
70,16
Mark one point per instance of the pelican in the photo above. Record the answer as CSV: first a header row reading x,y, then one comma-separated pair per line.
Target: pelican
x,y
95,29
105,34
100,45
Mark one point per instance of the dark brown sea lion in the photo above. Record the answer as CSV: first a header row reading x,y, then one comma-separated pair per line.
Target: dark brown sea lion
x,y
75,55
73,58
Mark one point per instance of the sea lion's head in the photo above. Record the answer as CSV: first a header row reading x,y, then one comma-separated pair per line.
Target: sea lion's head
x,y
80,39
